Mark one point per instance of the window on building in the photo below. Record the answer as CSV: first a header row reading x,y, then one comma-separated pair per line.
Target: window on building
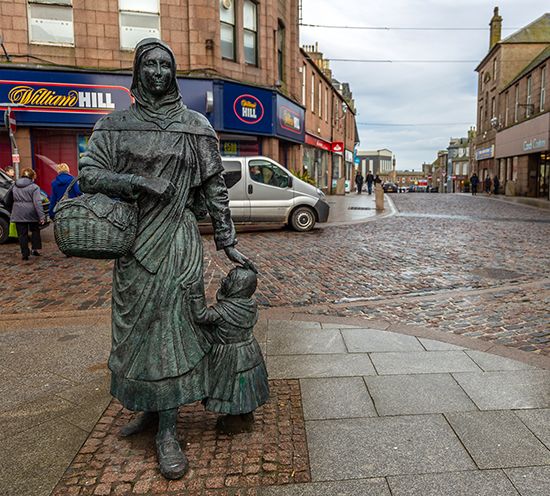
x,y
250,29
51,23
313,93
337,112
326,104
227,29
494,69
516,103
506,104
320,98
542,88
480,123
281,51
304,82
529,106
139,19
493,107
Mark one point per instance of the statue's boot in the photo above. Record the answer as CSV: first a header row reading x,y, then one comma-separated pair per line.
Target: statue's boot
x,y
234,424
140,423
173,463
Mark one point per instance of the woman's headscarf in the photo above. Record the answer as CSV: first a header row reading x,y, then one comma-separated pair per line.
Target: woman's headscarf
x,y
169,107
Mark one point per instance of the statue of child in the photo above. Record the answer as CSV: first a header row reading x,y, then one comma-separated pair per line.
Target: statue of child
x,y
237,373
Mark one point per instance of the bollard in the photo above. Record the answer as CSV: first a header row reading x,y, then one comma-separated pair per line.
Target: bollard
x,y
379,197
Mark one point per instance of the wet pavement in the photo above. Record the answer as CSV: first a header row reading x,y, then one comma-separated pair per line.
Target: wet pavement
x,y
461,264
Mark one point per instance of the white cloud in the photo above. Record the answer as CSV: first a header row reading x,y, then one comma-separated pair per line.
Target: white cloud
x,y
411,93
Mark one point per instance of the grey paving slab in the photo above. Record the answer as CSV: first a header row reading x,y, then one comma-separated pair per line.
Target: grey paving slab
x,y
303,342
507,389
433,345
490,363
530,481
498,439
538,421
325,325
418,393
471,483
328,365
276,325
423,362
367,340
33,461
336,397
382,446
360,487
32,413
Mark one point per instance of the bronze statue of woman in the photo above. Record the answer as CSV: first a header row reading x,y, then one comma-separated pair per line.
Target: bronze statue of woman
x,y
165,157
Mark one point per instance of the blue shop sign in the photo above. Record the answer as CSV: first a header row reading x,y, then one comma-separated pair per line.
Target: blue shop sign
x,y
290,119
484,153
79,99
247,108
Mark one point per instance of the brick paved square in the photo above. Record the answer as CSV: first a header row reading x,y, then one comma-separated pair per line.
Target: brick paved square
x,y
275,453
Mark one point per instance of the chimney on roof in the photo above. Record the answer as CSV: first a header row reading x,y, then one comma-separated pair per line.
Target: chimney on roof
x,y
496,29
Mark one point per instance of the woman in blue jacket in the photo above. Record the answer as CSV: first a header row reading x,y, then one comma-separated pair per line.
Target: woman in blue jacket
x,y
60,185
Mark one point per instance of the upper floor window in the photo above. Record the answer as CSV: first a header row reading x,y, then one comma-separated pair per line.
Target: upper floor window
x,y
326,104
313,93
506,105
139,19
493,107
516,103
494,69
227,29
281,51
304,82
51,22
529,106
320,98
250,25
542,88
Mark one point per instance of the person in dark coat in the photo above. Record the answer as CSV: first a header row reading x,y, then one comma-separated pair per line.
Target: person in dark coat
x,y
496,185
474,181
488,185
377,179
369,179
60,185
25,202
359,182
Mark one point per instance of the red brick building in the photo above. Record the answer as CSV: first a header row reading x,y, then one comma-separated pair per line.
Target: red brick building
x,y
231,54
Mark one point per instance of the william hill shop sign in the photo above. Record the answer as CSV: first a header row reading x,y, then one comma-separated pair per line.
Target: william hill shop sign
x,y
62,98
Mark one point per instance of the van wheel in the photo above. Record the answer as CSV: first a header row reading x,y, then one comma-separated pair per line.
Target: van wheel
x,y
302,219
4,230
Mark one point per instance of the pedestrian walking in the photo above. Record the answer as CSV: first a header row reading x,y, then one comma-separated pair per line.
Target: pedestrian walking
x,y
10,171
370,180
359,182
59,186
474,181
496,185
25,202
488,184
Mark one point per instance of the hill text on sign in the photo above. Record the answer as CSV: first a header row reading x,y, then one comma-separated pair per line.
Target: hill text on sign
x,y
248,109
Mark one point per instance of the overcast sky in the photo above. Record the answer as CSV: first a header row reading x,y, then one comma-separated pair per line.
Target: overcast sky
x,y
442,95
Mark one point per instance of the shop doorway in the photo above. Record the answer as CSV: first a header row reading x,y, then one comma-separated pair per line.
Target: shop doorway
x,y
539,175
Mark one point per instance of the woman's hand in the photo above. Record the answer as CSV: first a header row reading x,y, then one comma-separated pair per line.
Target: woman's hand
x,y
236,256
161,188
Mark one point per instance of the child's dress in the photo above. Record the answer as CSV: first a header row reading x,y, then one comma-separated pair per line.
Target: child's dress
x,y
237,373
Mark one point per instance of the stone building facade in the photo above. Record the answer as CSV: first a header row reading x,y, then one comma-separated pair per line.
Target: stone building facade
x,y
232,55
501,66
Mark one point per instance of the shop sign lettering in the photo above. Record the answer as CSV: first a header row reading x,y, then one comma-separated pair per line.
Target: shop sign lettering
x,y
248,109
533,144
484,153
44,97
290,120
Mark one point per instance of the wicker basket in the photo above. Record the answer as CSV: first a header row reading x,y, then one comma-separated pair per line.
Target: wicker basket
x,y
95,226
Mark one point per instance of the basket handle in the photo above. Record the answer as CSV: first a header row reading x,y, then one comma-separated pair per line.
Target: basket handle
x,y
71,184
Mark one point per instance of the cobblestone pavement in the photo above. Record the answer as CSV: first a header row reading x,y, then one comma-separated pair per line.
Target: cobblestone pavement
x,y
470,265
220,465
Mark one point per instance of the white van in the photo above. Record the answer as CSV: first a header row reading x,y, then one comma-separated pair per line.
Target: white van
x,y
261,190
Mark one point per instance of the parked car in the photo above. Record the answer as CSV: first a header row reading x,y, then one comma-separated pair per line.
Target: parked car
x,y
390,187
7,229
261,190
